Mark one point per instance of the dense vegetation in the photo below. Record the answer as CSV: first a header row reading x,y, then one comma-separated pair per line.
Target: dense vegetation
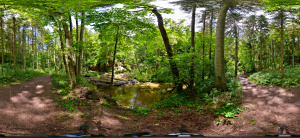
x,y
206,60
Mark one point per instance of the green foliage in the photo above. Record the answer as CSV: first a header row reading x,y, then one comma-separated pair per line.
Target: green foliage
x,y
174,100
60,81
219,121
69,105
91,74
162,115
230,110
141,110
177,111
142,76
21,75
273,77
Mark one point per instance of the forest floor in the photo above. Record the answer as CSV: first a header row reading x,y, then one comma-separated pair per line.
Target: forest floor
x,y
30,109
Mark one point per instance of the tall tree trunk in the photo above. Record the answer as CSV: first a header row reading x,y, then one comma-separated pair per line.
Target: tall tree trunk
x,y
211,32
81,43
281,43
203,43
169,50
260,60
37,48
24,46
48,55
293,47
192,79
71,43
2,41
33,53
69,53
14,43
236,48
62,46
220,80
19,41
114,58
54,56
77,40
77,30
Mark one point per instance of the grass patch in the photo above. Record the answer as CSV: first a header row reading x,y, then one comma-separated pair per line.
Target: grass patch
x,y
19,76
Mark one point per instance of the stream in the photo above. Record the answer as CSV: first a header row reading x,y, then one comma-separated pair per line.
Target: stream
x,y
142,95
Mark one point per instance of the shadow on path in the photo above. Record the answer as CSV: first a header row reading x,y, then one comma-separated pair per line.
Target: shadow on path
x,y
29,109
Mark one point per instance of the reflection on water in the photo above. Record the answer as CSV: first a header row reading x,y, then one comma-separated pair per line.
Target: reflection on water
x,y
137,95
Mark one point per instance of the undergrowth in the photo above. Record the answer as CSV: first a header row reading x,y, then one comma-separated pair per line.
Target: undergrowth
x,y
19,76
61,82
227,104
273,77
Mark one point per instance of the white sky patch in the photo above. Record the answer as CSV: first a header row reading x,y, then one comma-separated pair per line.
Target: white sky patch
x,y
179,14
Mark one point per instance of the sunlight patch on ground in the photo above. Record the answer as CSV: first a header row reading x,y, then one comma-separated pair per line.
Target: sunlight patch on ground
x,y
40,91
39,86
21,97
37,102
276,100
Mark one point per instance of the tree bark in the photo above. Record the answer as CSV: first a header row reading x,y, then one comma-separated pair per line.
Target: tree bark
x,y
33,53
281,43
69,53
203,44
293,39
14,43
260,60
192,79
169,50
114,59
81,42
220,80
37,49
211,32
24,46
2,41
54,56
236,48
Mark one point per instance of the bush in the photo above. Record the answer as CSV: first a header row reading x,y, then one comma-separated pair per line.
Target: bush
x,y
273,77
20,75
60,81
173,100
91,74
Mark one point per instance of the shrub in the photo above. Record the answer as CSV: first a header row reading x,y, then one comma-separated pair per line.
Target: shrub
x,y
273,77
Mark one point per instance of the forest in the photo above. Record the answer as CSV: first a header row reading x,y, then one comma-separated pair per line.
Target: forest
x,y
116,67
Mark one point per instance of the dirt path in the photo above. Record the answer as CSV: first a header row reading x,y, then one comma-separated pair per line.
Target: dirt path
x,y
29,109
269,107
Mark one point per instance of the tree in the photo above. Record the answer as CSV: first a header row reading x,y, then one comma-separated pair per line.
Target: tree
x,y
2,37
262,24
165,37
117,19
219,76
251,32
24,45
280,7
14,43
233,29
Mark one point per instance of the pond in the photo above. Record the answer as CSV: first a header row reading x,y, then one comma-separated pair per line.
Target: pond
x,y
142,95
